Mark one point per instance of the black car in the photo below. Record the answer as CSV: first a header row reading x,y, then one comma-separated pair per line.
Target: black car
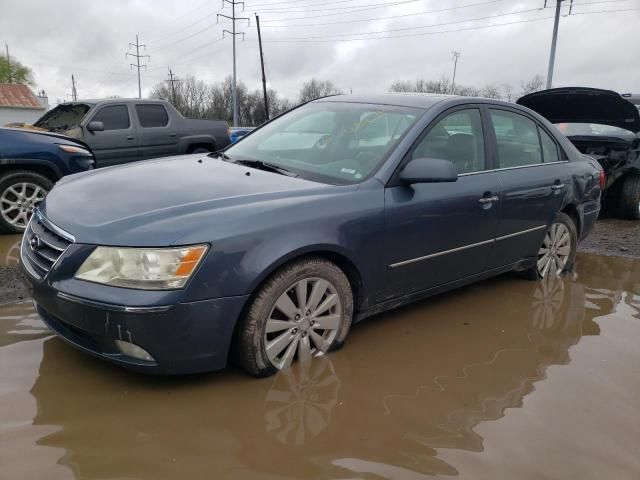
x,y
604,125
334,211
30,163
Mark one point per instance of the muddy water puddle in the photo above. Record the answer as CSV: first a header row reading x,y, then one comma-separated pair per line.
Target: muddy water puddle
x,y
504,379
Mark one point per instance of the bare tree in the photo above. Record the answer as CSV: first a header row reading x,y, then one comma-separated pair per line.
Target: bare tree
x,y
490,91
316,89
507,90
534,85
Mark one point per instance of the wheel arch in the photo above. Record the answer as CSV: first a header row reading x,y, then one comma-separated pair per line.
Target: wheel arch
x,y
41,167
332,253
572,211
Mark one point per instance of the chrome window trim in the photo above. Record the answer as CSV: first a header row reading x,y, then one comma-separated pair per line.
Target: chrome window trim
x,y
466,247
512,168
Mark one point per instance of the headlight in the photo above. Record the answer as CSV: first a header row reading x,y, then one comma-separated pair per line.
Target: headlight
x,y
143,268
74,149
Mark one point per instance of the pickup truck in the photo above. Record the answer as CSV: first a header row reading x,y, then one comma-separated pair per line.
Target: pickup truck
x,y
126,130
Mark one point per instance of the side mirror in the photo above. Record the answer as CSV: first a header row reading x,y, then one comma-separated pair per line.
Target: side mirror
x,y
95,126
428,170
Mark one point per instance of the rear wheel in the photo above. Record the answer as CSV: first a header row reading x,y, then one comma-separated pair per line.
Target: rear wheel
x,y
303,311
557,254
20,193
629,201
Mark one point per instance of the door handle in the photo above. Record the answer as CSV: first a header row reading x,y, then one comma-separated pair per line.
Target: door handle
x,y
130,137
485,200
172,134
557,186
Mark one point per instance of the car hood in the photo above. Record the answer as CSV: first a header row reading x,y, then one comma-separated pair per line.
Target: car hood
x,y
46,133
584,105
156,202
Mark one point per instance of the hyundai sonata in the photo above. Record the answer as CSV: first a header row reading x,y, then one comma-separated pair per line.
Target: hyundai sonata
x,y
341,208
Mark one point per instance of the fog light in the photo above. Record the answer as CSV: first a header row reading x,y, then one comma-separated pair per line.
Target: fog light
x,y
131,350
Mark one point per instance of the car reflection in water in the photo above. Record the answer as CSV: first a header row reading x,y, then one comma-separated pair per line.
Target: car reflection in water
x,y
412,381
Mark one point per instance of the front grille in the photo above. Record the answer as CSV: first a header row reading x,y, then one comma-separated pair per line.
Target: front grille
x,y
42,245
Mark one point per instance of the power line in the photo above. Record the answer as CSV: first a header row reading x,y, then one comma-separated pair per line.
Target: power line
x,y
332,39
390,17
440,24
137,65
234,34
372,7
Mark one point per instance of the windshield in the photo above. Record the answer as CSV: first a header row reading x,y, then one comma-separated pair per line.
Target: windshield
x,y
63,117
593,130
337,143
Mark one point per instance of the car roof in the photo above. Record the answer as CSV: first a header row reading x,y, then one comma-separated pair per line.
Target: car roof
x,y
416,100
93,101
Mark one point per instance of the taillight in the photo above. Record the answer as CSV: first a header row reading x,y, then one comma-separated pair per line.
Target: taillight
x,y
603,180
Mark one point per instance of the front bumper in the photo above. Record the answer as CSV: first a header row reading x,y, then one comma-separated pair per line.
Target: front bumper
x,y
183,338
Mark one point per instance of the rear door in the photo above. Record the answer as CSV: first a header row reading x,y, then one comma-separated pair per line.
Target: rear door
x,y
118,143
534,177
437,233
157,131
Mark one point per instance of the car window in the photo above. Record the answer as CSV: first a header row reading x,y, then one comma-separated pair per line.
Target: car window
x,y
331,142
549,148
152,115
114,117
459,138
517,137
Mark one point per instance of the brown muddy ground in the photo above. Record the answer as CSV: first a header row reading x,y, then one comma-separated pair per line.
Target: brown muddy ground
x,y
506,379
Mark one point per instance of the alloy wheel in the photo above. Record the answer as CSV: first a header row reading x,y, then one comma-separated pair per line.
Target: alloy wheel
x,y
555,251
303,323
18,201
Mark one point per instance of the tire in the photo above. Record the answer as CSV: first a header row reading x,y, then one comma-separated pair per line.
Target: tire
x,y
36,187
202,150
560,263
296,337
629,201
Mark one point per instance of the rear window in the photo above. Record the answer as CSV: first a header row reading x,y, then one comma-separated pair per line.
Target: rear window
x,y
152,115
593,130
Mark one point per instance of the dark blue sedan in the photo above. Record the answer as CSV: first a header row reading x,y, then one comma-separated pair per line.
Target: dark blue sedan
x,y
337,210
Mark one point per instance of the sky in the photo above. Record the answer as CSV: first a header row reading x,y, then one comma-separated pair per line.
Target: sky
x,y
360,45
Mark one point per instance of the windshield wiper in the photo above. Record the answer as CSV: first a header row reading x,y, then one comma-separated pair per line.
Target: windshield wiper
x,y
266,166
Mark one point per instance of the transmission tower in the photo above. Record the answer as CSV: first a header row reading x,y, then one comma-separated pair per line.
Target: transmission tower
x,y
137,65
233,34
172,80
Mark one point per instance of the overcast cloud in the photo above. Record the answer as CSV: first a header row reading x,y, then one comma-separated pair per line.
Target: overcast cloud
x,y
90,39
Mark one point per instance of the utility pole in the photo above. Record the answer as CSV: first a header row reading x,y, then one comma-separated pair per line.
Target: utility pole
x,y
456,56
8,63
74,92
137,65
172,81
233,34
264,78
554,39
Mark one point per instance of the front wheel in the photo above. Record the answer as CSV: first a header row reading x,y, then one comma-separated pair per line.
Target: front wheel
x,y
20,193
304,310
557,254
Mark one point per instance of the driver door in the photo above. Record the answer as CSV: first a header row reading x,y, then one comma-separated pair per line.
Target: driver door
x,y
437,233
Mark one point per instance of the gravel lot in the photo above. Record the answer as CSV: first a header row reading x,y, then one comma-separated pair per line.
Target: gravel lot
x,y
611,236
